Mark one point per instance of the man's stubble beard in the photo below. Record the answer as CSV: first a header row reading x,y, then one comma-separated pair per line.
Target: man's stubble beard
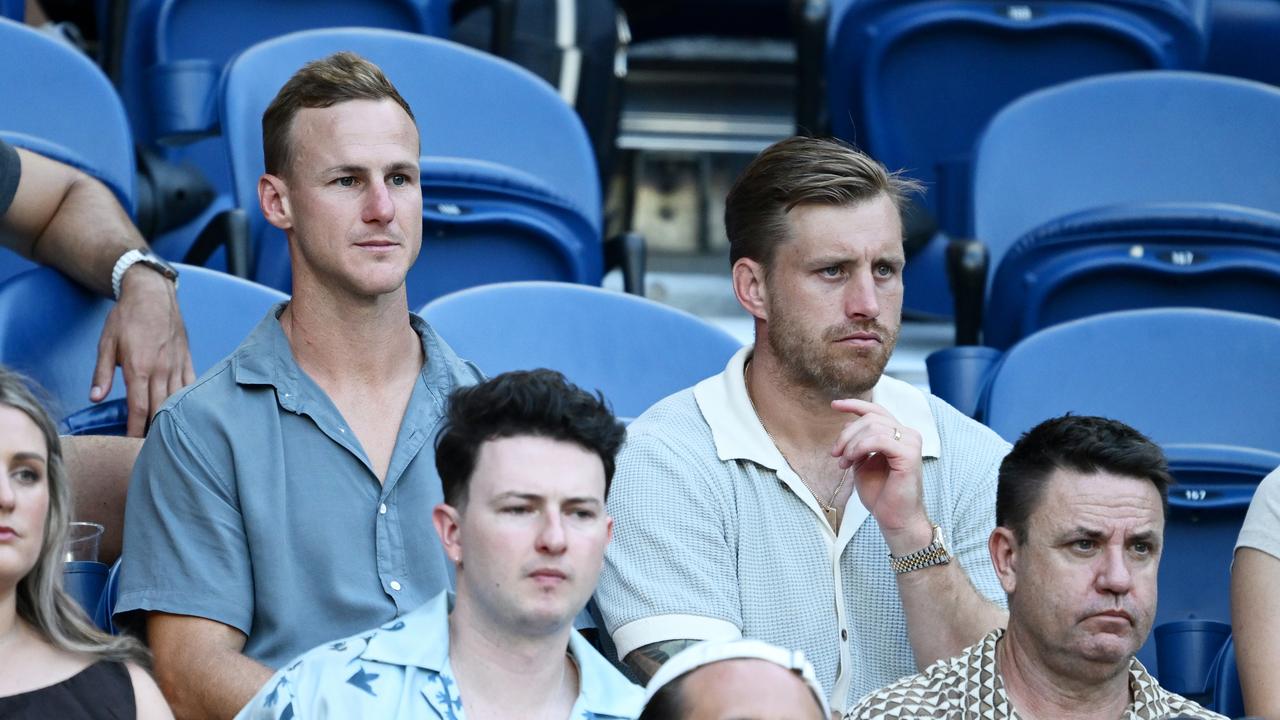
x,y
813,364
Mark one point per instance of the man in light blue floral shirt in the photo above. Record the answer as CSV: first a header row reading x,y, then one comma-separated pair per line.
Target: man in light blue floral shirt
x,y
525,460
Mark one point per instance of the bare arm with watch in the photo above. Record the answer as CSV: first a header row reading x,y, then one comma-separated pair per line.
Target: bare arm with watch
x,y
61,217
944,612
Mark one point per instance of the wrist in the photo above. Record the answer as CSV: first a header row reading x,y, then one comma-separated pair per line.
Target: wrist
x,y
910,537
145,279
126,269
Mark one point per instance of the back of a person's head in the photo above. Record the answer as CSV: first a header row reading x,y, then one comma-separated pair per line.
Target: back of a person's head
x,y
682,686
539,403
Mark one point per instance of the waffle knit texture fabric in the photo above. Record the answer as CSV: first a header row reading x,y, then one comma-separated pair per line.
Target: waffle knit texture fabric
x,y
710,548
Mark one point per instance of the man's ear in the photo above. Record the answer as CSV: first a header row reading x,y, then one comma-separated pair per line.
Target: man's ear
x,y
749,287
1003,546
273,198
449,527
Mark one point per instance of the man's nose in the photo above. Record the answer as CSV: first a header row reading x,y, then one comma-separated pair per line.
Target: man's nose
x,y
1114,574
551,538
860,298
378,206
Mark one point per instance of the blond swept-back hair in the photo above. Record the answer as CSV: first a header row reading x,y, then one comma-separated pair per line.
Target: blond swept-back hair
x,y
321,83
41,601
795,171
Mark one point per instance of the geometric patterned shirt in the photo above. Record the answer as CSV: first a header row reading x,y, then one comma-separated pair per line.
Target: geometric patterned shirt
x,y
401,671
969,686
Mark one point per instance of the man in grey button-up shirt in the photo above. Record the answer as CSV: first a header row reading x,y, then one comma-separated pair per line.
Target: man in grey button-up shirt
x,y
284,499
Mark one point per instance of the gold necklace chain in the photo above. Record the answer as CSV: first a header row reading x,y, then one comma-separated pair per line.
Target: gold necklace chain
x,y
829,507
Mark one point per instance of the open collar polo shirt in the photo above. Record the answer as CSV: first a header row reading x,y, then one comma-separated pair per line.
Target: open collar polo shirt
x,y
254,505
401,671
717,537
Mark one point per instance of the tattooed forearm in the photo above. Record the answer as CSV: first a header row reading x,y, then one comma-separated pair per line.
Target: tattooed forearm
x,y
645,661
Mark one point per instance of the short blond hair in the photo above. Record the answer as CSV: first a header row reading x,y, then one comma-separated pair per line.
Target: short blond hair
x,y
796,171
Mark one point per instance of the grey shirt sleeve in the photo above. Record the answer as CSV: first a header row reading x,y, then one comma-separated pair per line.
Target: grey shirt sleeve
x,y
10,171
671,554
185,550
1261,529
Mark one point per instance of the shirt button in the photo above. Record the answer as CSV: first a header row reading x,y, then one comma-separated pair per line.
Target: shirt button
x,y
342,429
395,585
844,634
382,509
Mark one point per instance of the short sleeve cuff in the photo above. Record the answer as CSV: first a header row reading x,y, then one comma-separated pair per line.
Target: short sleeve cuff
x,y
1261,541
660,628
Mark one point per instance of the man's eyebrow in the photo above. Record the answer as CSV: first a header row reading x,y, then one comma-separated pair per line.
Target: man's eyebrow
x,y
1147,536
513,495
585,500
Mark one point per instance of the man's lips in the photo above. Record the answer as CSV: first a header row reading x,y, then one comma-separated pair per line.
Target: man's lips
x,y
861,337
1115,615
548,574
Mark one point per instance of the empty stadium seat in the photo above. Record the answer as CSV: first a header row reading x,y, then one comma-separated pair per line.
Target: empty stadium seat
x,y
55,101
1129,190
1242,39
509,182
1179,375
634,350
1228,698
13,9
49,327
913,83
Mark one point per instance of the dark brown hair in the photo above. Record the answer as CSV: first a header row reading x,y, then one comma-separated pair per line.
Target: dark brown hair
x,y
1078,443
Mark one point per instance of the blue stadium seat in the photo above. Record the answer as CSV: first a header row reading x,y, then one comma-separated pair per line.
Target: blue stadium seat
x,y
634,350
1210,255
49,327
1228,698
58,103
1179,375
1206,510
508,175
1129,190
913,82
84,581
13,9
173,57
1242,39
1198,382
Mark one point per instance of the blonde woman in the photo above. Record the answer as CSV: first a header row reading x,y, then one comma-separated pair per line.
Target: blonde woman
x,y
53,662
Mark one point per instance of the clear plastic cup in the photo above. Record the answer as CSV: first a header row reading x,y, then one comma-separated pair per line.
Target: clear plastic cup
x,y
82,542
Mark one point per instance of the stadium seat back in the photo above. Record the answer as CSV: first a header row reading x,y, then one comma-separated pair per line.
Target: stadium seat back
x,y
1179,375
635,351
58,103
1209,255
508,175
913,83
49,327
1207,506
1155,137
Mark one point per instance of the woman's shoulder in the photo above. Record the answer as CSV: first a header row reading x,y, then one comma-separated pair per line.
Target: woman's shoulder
x,y
148,699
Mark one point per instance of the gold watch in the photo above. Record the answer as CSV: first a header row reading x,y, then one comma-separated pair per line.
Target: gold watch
x,y
935,553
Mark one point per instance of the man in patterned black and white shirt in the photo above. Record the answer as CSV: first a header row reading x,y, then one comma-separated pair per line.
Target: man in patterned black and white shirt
x,y
1080,523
